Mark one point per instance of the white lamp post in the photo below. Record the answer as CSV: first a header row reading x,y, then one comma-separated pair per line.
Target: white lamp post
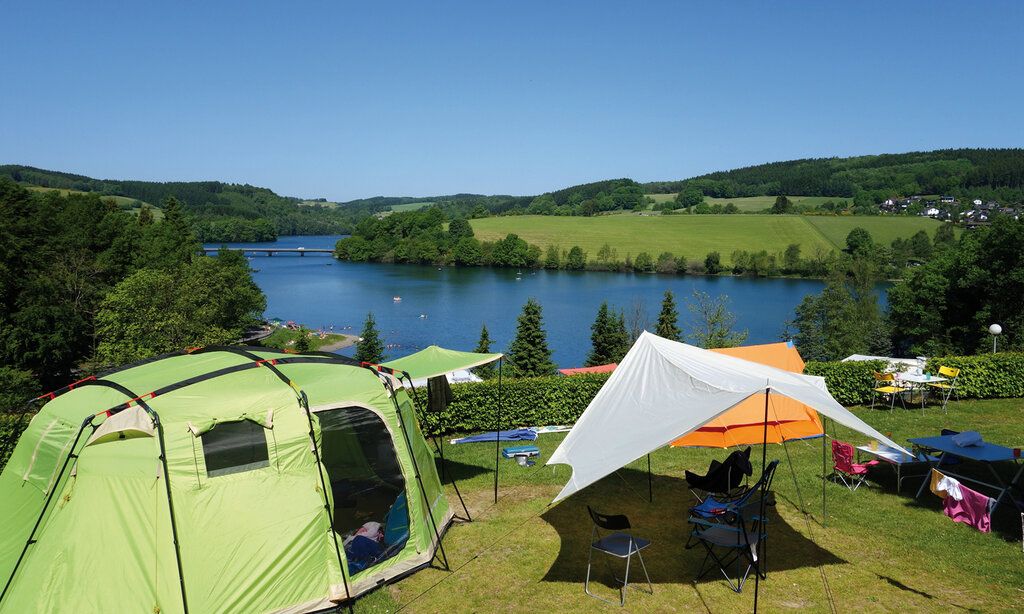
x,y
996,330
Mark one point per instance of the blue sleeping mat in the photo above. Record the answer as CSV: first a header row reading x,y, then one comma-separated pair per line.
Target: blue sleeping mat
x,y
511,435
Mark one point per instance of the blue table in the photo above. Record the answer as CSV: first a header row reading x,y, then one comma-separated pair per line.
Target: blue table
x,y
987,453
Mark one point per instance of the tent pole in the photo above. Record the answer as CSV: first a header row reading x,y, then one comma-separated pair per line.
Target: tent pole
x,y
792,472
342,567
497,436
170,504
439,445
49,497
764,464
650,486
416,470
824,437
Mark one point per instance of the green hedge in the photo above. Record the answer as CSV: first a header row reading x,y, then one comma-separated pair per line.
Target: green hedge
x,y
850,383
986,376
530,401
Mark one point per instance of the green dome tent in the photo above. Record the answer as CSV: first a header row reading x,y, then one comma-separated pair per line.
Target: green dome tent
x,y
220,480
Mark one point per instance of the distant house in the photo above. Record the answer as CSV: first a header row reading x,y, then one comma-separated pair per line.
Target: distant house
x,y
947,199
976,202
931,212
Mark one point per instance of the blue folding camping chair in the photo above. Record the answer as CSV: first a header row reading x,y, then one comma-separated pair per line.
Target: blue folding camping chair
x,y
735,528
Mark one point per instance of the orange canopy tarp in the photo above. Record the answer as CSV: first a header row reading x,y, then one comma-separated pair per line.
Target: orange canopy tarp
x,y
744,424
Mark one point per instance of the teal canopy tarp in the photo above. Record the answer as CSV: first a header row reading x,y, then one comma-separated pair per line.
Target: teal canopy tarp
x,y
435,360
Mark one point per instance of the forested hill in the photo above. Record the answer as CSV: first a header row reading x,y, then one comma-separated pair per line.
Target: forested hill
x,y
980,173
220,211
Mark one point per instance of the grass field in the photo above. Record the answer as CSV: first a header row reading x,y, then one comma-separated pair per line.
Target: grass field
x,y
693,236
411,206
752,203
122,201
884,229
879,551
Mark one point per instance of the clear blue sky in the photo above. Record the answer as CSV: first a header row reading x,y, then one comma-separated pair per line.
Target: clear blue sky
x,y
346,101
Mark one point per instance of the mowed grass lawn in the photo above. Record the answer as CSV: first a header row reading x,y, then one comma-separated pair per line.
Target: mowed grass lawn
x,y
879,551
693,236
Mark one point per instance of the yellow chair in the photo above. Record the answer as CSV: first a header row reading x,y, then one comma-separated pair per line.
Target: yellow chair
x,y
885,384
947,388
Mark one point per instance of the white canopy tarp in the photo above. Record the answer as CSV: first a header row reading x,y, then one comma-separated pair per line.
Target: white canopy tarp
x,y
664,389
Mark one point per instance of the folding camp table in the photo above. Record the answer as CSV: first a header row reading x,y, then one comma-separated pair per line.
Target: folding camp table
x,y
918,382
897,459
987,453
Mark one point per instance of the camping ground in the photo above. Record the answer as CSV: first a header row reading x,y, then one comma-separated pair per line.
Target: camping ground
x,y
878,551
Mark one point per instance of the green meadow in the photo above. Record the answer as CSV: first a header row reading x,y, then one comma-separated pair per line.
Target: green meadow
x,y
693,236
121,201
753,203
411,206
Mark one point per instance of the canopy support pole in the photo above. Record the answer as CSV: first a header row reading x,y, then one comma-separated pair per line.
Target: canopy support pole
x,y
792,472
497,436
824,437
438,444
764,464
650,484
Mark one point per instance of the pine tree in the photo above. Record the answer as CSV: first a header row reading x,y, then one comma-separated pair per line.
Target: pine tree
x,y
370,347
668,318
600,338
302,344
528,354
620,337
484,347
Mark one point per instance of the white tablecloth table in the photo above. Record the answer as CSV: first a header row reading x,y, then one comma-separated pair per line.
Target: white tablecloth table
x,y
918,382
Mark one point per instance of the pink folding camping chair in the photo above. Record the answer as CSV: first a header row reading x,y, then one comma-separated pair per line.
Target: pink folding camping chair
x,y
851,474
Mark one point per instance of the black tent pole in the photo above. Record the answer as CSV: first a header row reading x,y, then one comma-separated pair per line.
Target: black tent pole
x,y
650,486
439,445
824,437
46,503
760,523
416,470
497,434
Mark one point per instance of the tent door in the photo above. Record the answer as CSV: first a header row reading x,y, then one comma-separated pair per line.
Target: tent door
x,y
370,500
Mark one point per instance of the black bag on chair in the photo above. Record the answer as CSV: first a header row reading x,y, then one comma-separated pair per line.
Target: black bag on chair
x,y
725,476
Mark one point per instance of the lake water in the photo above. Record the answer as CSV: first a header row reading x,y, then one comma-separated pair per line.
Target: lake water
x,y
447,306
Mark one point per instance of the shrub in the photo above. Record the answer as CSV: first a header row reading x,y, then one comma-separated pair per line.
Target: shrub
x,y
985,376
531,401
850,383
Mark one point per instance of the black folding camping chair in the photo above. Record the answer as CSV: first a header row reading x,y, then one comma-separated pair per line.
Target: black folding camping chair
x,y
617,544
735,528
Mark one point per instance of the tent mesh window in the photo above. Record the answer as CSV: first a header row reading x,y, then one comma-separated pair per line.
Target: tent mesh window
x,y
233,447
370,504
